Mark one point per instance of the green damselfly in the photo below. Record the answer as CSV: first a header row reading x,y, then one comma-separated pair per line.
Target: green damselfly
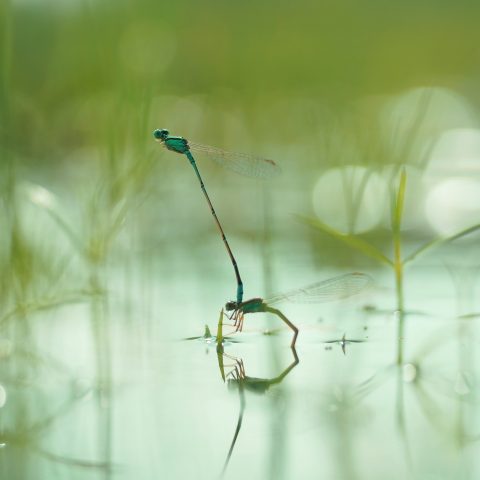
x,y
336,288
241,163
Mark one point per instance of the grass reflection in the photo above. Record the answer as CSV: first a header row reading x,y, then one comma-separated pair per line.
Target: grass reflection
x,y
32,417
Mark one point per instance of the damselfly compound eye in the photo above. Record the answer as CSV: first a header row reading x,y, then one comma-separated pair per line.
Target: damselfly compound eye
x,y
229,306
160,134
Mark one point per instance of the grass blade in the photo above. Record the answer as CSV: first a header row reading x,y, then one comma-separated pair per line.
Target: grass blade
x,y
220,345
350,240
441,241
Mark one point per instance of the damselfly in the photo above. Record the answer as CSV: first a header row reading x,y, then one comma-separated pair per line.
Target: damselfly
x,y
335,288
241,163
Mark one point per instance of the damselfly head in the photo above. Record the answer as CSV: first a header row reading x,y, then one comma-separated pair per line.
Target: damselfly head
x,y
160,134
229,306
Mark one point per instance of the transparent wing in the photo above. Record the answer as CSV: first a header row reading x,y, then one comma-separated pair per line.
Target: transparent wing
x,y
242,163
329,290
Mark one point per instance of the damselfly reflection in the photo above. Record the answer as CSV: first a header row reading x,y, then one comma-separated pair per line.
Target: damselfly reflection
x,y
237,379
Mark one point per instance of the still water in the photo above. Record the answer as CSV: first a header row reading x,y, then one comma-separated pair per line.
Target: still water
x,y
115,387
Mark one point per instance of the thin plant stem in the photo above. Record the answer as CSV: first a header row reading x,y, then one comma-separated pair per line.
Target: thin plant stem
x,y
398,267
400,310
101,338
5,69
401,422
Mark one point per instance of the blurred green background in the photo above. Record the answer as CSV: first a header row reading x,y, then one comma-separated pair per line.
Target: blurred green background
x,y
68,67
109,256
313,84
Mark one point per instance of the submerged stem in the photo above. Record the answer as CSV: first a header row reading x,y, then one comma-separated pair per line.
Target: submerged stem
x,y
400,310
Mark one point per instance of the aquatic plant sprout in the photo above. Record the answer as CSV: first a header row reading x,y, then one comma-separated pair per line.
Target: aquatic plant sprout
x,y
398,261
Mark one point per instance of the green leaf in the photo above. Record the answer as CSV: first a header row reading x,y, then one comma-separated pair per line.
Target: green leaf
x,y
220,332
46,303
220,345
350,240
441,241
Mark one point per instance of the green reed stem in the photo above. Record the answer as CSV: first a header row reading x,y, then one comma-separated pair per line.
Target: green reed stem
x,y
398,266
5,64
397,215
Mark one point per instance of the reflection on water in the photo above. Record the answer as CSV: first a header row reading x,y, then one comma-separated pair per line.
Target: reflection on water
x,y
97,382
38,408
67,412
238,380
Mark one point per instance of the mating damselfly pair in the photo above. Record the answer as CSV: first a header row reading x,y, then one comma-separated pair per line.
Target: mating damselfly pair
x,y
253,166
